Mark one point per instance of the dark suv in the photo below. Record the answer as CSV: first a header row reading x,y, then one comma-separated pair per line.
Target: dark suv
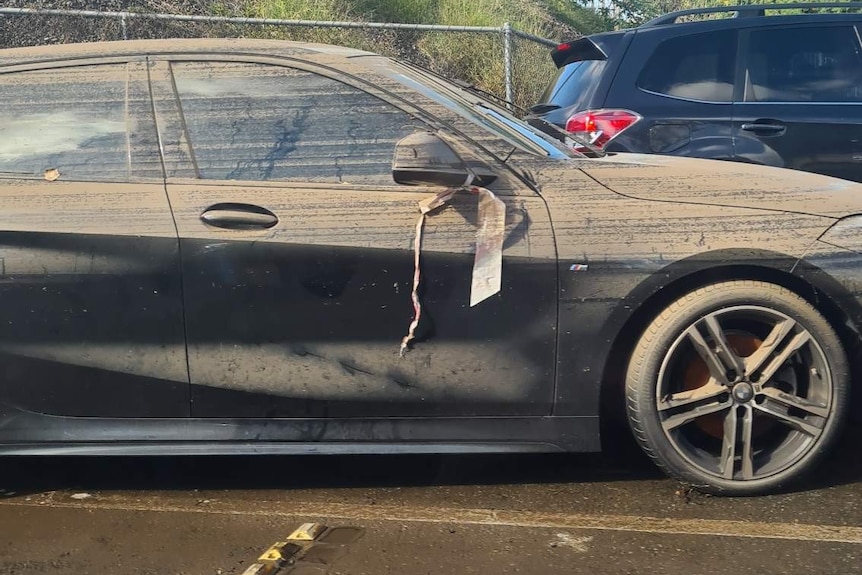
x,y
763,86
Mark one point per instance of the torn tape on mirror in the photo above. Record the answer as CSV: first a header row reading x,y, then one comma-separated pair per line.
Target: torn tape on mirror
x,y
488,261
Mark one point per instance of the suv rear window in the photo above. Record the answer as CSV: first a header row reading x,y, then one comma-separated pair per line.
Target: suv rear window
x,y
809,64
696,67
574,84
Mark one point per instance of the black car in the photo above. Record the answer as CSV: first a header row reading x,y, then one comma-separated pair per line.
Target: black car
x,y
235,246
764,87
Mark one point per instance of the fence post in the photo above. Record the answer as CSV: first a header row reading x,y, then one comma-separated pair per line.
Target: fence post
x,y
507,59
123,25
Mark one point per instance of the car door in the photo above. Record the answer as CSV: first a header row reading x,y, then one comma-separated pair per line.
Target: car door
x,y
89,261
803,99
298,258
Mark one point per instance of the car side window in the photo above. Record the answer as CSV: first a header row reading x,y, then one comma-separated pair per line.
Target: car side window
x,y
695,67
89,123
804,64
262,122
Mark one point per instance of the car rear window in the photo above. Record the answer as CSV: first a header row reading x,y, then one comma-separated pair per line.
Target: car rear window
x,y
808,64
694,67
574,84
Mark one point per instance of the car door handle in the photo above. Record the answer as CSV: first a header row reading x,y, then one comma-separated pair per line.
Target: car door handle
x,y
764,128
239,216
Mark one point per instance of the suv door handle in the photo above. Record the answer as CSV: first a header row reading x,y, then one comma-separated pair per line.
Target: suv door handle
x,y
764,128
239,216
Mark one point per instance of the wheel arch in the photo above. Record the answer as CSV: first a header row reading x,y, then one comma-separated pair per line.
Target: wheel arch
x,y
829,297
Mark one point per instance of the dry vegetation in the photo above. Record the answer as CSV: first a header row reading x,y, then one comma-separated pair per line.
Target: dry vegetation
x,y
471,57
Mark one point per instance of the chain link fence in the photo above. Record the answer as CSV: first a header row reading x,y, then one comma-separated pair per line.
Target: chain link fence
x,y
507,62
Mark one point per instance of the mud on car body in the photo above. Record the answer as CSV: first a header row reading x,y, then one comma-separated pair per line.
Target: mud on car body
x,y
205,251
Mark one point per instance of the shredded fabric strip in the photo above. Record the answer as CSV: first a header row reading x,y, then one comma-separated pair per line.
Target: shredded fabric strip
x,y
417,305
488,261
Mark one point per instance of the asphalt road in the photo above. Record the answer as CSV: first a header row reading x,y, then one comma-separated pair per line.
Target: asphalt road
x,y
489,515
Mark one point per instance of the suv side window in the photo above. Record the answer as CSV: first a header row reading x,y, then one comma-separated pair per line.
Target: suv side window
x,y
695,67
804,64
91,123
262,122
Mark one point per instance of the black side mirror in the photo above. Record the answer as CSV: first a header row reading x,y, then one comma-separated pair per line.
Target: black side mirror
x,y
423,158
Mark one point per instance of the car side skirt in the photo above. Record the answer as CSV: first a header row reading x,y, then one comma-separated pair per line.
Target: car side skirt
x,y
51,435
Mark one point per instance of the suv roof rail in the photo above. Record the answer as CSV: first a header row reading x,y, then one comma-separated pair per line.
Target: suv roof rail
x,y
748,10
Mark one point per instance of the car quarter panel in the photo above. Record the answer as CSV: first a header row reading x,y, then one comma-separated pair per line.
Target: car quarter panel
x,y
682,87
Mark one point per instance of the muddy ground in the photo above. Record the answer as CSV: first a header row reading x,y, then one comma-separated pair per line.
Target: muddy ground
x,y
586,514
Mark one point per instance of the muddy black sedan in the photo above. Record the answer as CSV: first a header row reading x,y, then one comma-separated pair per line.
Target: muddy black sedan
x,y
237,247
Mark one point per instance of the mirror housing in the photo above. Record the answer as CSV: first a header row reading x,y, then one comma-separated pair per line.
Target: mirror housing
x,y
423,158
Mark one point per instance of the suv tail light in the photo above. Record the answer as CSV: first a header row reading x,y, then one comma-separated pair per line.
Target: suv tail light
x,y
599,127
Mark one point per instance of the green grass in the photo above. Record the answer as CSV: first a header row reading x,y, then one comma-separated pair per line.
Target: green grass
x,y
407,11
475,58
299,9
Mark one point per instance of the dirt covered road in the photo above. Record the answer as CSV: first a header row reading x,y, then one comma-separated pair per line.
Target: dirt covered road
x,y
420,515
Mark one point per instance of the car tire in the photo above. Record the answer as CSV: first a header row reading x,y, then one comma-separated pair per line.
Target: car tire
x,y
737,388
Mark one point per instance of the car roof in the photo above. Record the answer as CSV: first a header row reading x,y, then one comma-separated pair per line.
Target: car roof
x,y
60,52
